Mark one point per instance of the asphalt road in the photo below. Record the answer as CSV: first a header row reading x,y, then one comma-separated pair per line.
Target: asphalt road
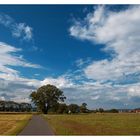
x,y
37,126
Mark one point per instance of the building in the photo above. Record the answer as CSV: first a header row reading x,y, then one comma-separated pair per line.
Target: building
x,y
125,110
137,110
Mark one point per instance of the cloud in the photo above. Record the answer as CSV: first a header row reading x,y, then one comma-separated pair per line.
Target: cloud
x,y
81,62
103,95
109,83
22,30
18,30
95,97
116,77
94,93
134,91
6,20
119,32
6,97
11,83
60,81
9,57
17,88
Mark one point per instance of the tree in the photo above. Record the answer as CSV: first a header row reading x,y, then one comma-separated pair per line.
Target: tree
x,y
62,109
46,97
54,108
83,108
113,111
74,108
101,110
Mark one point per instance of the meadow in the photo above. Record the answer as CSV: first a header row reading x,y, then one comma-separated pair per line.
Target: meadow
x,y
13,123
95,124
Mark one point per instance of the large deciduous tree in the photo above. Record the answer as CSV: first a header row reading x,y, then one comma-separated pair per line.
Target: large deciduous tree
x,y
46,97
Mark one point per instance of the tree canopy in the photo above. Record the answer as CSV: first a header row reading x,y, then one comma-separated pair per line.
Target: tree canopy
x,y
74,108
46,97
83,108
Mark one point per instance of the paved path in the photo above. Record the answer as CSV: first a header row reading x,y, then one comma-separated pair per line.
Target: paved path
x,y
37,126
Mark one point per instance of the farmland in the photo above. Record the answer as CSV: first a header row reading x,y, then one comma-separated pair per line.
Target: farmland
x,y
12,124
95,124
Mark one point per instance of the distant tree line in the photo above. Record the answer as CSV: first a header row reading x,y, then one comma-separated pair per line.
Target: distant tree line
x,y
62,108
101,110
10,106
59,108
49,98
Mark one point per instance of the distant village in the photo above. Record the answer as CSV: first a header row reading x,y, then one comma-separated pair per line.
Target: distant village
x,y
136,110
11,106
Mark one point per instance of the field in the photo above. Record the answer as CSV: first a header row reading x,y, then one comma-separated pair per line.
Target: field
x,y
12,124
95,124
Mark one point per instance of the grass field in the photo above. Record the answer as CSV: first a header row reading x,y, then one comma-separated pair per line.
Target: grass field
x,y
12,124
95,124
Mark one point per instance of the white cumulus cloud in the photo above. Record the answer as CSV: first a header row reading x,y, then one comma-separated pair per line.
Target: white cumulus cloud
x,y
11,83
120,33
60,81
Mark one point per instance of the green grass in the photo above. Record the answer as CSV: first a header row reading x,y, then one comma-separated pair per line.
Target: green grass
x,y
12,124
95,124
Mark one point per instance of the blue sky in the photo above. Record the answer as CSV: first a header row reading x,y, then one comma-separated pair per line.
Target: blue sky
x,y
58,50
91,52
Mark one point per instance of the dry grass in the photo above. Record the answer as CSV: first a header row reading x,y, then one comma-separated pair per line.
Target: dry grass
x,y
12,124
95,124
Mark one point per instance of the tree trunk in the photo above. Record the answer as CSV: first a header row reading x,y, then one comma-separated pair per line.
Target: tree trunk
x,y
45,110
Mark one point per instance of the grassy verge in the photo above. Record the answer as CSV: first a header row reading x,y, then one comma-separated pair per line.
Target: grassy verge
x,y
95,124
12,124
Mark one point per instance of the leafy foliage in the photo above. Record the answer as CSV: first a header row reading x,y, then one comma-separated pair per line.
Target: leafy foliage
x,y
74,108
83,108
47,97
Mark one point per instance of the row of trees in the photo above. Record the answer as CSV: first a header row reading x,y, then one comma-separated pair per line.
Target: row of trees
x,y
50,98
72,108
15,107
101,110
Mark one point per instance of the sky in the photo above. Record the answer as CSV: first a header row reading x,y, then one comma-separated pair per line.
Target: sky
x,y
91,52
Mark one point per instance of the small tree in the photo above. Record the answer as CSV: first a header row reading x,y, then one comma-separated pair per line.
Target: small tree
x,y
62,109
113,111
101,110
74,108
83,108
46,97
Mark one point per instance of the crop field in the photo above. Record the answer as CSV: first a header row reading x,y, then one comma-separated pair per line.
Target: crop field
x,y
95,124
12,124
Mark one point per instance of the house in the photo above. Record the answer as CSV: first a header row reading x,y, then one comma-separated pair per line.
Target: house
x,y
124,110
137,110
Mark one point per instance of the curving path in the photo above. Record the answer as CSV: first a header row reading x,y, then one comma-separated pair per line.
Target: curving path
x,y
37,126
